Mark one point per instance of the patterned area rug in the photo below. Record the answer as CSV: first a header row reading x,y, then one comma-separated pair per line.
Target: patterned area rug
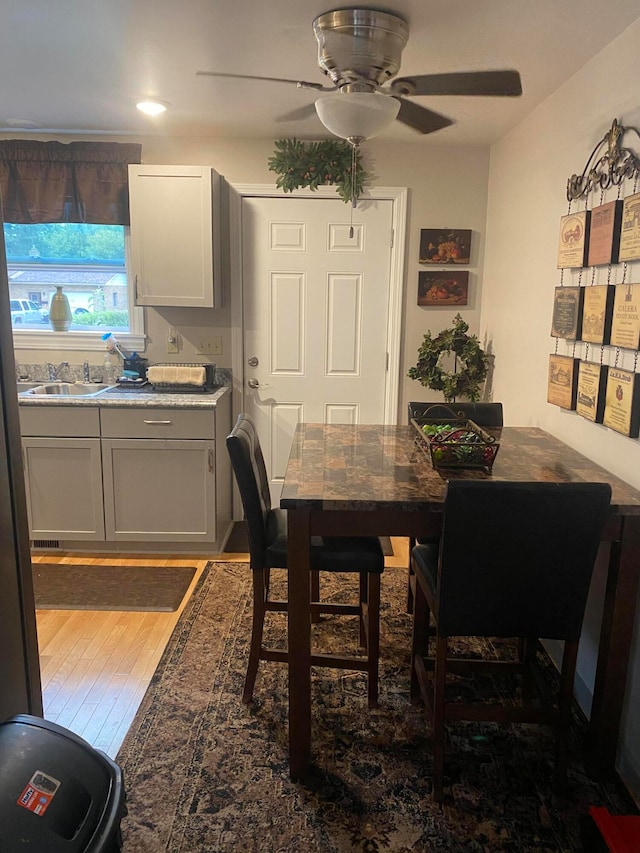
x,y
205,773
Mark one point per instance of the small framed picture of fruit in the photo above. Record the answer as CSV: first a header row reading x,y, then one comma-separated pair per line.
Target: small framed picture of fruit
x,y
443,288
445,246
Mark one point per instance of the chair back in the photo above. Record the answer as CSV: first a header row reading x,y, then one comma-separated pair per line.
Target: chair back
x,y
483,414
250,472
516,558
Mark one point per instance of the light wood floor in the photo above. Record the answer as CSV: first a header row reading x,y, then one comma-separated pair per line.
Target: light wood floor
x,y
96,665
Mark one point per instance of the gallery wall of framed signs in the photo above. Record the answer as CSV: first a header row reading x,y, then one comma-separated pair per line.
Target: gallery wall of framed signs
x,y
596,306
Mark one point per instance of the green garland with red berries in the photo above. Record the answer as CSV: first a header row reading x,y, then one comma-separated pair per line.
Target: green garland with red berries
x,y
314,164
472,361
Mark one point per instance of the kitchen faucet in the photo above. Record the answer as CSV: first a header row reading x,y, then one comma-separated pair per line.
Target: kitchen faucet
x,y
54,372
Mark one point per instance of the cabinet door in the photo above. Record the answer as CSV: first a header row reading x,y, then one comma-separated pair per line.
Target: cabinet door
x,y
64,488
173,223
159,490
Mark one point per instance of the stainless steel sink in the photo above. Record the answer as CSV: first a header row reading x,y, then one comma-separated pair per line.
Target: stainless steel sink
x,y
67,389
26,384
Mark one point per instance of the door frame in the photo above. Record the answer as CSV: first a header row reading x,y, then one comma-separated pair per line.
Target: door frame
x,y
399,196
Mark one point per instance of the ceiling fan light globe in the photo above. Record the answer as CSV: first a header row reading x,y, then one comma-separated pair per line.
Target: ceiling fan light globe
x,y
357,114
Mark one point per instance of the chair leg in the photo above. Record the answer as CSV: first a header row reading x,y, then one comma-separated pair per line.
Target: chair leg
x,y
315,593
420,641
260,586
565,698
373,638
439,717
410,578
364,598
315,586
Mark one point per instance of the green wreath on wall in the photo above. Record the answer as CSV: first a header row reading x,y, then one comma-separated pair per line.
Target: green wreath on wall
x,y
314,164
472,361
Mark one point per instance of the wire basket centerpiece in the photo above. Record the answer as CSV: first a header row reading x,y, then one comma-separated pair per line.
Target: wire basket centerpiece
x,y
455,442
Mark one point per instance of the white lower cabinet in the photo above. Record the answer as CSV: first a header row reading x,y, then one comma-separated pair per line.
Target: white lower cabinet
x,y
160,490
64,488
127,475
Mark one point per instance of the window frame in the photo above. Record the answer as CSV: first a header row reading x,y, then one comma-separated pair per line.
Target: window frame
x,y
47,339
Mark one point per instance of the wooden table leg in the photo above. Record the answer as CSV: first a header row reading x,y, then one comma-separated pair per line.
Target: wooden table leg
x,y
299,637
615,645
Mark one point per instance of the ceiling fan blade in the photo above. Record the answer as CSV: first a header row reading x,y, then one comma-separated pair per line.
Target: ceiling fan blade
x,y
488,83
301,84
420,118
298,114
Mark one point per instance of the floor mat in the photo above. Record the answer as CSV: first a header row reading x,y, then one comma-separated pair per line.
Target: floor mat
x,y
65,586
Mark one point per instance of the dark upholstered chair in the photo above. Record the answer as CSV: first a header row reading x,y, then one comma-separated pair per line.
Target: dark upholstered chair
x,y
513,560
267,529
482,414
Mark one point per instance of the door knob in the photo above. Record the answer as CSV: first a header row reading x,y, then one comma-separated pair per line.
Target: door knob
x,y
253,383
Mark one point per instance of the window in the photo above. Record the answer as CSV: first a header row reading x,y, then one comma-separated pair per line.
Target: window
x,y
90,263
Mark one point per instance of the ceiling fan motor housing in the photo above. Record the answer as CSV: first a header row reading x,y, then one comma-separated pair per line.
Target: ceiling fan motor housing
x,y
360,45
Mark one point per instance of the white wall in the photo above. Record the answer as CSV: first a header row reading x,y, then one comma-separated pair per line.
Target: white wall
x,y
527,196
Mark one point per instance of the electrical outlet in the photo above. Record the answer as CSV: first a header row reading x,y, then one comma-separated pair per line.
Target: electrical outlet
x,y
209,346
172,344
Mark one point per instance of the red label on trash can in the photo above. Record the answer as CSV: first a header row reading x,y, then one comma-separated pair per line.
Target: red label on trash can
x,y
37,795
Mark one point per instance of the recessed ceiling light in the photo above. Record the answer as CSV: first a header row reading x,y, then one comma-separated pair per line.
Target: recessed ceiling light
x,y
152,106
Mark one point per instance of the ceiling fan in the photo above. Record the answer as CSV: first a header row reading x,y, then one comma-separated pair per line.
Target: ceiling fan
x,y
360,51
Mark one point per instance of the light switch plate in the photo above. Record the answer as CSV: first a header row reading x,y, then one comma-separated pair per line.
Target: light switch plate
x,y
209,346
172,344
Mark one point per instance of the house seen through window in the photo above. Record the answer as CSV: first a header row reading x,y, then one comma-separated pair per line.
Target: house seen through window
x,y
87,261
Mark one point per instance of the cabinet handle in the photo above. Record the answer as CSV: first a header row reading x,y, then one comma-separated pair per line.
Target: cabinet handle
x,y
210,460
135,288
158,423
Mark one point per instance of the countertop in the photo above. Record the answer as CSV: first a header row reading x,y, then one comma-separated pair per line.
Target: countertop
x,y
130,398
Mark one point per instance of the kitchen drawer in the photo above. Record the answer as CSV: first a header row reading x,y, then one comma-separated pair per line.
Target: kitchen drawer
x,y
156,423
62,422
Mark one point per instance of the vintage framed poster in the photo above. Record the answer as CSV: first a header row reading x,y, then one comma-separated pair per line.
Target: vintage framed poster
x,y
622,403
562,383
597,313
630,229
567,312
574,240
592,382
445,246
604,233
443,288
625,326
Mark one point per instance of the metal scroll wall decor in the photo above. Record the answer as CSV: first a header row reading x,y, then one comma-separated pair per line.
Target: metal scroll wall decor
x,y
616,165
603,312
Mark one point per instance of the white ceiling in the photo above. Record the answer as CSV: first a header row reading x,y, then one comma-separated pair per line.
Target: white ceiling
x,y
79,66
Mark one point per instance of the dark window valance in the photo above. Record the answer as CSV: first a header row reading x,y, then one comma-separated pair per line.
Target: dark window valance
x,y
66,182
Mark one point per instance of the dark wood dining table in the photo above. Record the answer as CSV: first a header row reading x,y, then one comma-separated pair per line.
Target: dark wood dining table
x,y
376,480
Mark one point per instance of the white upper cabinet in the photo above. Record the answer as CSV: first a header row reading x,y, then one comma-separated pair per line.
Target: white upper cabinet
x,y
175,235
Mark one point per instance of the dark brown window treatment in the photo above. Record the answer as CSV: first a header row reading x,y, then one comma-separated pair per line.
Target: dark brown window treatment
x,y
66,182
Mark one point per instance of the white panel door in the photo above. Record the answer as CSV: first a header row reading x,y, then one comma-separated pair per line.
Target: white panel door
x,y
316,301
